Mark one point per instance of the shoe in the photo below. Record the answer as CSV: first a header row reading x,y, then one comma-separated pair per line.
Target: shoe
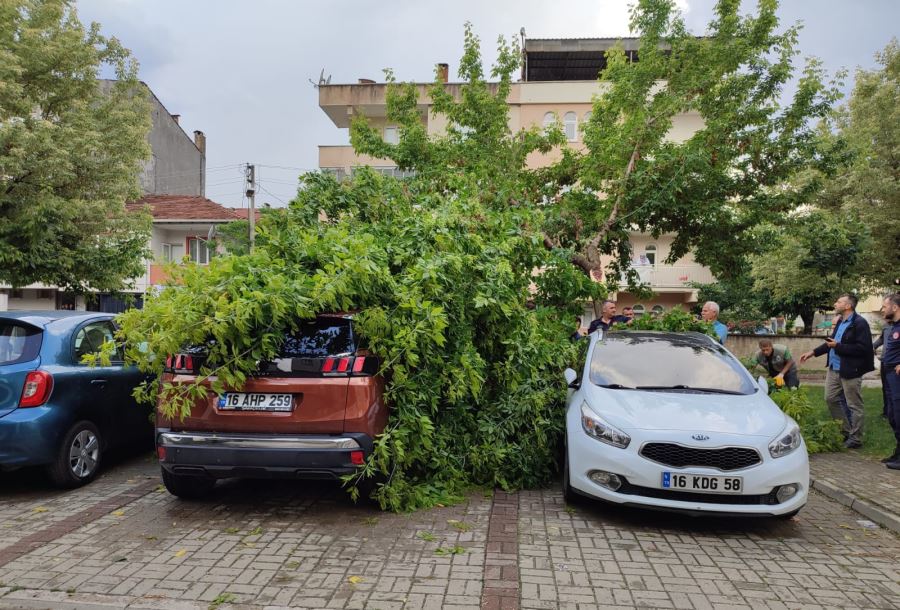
x,y
895,455
852,444
894,465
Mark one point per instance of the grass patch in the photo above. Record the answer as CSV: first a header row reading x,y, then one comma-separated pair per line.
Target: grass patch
x,y
878,438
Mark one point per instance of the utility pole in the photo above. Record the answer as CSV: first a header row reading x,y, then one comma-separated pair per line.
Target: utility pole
x,y
251,194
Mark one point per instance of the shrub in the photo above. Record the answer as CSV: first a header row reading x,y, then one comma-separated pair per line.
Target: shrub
x,y
820,436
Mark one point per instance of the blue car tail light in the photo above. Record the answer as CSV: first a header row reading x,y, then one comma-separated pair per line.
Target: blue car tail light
x,y
37,388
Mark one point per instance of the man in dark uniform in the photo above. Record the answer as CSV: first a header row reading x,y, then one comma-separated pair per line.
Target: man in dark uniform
x,y
890,359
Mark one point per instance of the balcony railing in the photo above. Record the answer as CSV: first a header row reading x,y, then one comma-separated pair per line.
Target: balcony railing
x,y
672,276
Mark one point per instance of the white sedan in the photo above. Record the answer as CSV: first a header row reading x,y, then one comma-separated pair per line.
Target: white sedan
x,y
673,421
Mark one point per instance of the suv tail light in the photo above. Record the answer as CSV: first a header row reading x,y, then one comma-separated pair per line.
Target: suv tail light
x,y
359,365
38,385
181,363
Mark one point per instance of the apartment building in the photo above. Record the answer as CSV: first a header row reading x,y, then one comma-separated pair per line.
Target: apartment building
x,y
559,79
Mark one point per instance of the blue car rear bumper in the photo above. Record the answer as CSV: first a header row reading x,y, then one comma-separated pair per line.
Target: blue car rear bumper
x,y
30,436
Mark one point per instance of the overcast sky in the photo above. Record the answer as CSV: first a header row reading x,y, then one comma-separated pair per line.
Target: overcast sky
x,y
239,70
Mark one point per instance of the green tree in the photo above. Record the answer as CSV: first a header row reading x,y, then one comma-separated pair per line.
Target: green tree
x,y
812,259
869,186
712,188
441,266
70,153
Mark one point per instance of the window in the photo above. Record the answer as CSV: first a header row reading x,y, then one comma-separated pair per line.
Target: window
x,y
635,359
391,135
319,338
549,120
339,173
167,252
197,250
16,293
92,337
570,123
45,294
650,253
585,120
657,310
639,310
18,342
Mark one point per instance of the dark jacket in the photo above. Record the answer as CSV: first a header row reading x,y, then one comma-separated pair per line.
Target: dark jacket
x,y
855,349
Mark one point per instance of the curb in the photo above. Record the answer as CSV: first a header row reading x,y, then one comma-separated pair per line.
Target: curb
x,y
39,599
882,517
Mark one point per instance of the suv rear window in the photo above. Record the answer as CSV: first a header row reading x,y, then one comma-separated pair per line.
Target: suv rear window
x,y
320,338
18,342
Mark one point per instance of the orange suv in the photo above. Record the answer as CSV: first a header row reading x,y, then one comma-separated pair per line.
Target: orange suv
x,y
311,413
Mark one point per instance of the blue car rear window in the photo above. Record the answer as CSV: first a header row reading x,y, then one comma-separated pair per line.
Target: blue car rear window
x,y
18,342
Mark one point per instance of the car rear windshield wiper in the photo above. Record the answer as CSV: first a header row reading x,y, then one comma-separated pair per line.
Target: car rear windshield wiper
x,y
687,387
616,386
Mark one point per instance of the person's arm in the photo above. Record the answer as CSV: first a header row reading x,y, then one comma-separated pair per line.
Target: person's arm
x,y
878,342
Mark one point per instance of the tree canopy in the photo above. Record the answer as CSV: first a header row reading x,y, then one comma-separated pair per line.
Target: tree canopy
x,y
70,151
868,187
463,272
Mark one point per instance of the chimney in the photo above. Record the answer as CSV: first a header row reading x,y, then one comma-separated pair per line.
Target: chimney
x,y
200,141
175,118
443,72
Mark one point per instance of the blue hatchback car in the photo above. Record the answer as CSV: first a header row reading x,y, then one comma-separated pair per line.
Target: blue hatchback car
x,y
55,411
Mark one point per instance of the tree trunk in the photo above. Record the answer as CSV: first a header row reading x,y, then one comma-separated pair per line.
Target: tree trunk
x,y
808,315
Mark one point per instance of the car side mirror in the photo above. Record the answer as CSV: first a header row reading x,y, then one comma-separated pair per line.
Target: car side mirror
x,y
763,384
571,378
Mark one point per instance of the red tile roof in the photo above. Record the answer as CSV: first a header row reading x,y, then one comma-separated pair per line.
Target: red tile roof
x,y
184,207
244,213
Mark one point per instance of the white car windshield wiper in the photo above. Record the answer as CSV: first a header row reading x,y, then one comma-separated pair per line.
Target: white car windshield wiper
x,y
688,388
616,386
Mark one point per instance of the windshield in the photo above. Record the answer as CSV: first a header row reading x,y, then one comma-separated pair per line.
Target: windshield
x,y
659,361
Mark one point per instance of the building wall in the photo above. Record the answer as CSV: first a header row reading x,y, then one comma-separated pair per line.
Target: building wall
x,y
177,166
31,299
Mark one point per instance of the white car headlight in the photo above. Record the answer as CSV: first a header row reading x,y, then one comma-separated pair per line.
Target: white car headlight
x,y
787,441
594,426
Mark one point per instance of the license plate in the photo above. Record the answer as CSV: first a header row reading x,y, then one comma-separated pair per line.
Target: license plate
x,y
240,401
701,482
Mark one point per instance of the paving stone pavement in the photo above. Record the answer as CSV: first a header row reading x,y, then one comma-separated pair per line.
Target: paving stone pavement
x,y
860,476
593,555
272,545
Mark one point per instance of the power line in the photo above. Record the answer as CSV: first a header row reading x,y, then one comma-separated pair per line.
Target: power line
x,y
272,194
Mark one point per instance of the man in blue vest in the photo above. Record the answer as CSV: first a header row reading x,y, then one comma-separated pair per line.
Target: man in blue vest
x,y
850,356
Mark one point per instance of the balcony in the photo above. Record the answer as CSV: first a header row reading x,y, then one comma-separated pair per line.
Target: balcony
x,y
671,278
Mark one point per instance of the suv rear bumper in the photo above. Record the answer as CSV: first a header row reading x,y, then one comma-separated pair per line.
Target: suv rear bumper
x,y
221,456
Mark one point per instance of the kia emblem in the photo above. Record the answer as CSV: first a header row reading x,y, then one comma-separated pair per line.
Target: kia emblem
x,y
700,437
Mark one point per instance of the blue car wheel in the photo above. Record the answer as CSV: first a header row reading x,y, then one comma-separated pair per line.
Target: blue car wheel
x,y
78,458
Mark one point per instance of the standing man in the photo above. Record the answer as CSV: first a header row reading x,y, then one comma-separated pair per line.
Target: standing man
x,y
890,360
628,314
850,356
778,362
710,313
607,317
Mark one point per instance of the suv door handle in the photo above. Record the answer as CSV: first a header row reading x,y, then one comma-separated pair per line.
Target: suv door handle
x,y
98,381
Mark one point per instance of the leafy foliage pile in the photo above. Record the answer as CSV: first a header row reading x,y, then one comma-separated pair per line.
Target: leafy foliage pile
x,y
442,270
674,320
821,436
